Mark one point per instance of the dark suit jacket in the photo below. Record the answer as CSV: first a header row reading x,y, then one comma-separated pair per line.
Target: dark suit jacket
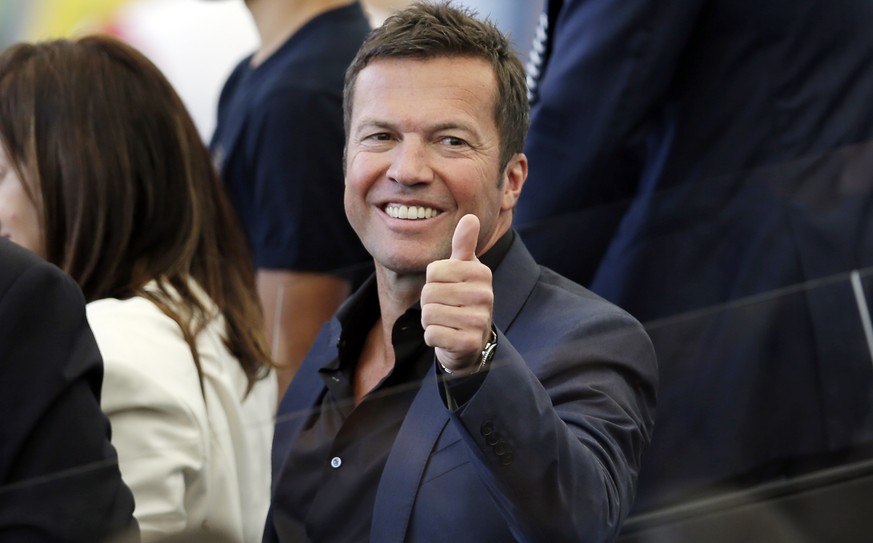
x,y
714,158
547,449
59,478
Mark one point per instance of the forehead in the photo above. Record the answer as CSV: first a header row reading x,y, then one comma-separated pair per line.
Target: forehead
x,y
435,87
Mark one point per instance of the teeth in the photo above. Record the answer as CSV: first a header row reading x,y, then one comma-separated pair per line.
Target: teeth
x,y
410,212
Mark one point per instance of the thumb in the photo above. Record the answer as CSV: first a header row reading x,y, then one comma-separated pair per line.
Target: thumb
x,y
465,238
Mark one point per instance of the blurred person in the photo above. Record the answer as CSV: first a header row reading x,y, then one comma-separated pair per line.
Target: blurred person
x,y
117,189
278,144
463,393
715,159
59,478
378,10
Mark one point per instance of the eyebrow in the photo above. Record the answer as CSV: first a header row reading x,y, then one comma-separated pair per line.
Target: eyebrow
x,y
438,127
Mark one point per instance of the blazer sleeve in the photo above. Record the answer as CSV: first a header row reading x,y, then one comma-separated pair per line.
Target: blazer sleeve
x,y
611,62
59,476
558,427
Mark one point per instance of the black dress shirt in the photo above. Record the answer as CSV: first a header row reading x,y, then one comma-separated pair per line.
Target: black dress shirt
x,y
337,460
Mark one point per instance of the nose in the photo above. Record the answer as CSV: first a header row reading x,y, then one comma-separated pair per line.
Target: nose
x,y
409,164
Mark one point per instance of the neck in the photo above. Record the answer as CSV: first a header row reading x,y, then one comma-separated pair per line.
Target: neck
x,y
396,294
278,20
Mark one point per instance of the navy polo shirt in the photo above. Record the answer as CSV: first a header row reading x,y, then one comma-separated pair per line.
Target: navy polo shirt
x,y
279,143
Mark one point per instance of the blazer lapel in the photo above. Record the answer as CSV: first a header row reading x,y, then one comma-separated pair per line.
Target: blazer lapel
x,y
401,478
514,279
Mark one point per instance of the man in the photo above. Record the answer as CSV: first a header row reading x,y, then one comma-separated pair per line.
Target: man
x,y
59,478
463,393
278,144
717,156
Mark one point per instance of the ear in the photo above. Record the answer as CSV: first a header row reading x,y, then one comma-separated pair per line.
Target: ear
x,y
514,177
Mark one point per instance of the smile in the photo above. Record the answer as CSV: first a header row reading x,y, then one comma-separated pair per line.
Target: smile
x,y
397,211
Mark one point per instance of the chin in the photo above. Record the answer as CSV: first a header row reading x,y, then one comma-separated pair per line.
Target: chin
x,y
408,258
404,267
404,264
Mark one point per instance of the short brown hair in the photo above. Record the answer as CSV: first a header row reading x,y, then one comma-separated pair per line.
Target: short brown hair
x,y
125,187
425,31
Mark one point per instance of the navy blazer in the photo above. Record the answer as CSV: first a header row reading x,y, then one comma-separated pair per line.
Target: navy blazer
x,y
59,478
549,447
714,159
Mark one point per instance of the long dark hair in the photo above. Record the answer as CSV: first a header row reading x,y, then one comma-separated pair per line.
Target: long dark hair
x,y
125,187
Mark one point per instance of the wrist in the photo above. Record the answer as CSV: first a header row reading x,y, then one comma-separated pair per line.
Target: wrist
x,y
484,360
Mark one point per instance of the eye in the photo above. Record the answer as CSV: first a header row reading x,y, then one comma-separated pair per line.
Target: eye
x,y
378,136
452,141
376,140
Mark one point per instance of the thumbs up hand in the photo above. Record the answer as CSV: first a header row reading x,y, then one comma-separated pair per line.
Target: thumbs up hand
x,y
457,302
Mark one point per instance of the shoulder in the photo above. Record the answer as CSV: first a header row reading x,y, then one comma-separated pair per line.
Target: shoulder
x,y
574,304
22,269
45,342
554,309
122,325
15,261
233,86
38,300
143,348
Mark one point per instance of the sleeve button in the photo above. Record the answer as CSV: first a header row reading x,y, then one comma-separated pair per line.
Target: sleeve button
x,y
487,428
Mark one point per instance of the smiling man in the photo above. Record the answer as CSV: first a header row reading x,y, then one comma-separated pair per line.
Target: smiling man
x,y
463,393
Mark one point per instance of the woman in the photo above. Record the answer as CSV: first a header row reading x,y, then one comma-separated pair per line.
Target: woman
x,y
113,185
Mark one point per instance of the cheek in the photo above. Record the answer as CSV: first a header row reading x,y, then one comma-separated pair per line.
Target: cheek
x,y
479,192
362,173
11,204
354,198
353,191
350,205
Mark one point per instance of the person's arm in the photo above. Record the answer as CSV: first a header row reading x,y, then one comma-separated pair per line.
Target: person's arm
x,y
161,447
154,400
558,426
59,476
302,243
296,305
598,96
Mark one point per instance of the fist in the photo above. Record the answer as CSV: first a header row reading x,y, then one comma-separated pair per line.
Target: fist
x,y
457,302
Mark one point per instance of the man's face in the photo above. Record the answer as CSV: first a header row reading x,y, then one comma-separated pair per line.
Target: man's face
x,y
423,151
19,218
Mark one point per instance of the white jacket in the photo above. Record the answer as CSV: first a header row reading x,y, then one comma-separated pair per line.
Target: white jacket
x,y
190,463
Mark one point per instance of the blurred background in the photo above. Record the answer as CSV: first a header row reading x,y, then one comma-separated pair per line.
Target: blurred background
x,y
196,43
211,36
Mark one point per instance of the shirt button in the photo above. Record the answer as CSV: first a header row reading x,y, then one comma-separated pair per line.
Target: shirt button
x,y
336,462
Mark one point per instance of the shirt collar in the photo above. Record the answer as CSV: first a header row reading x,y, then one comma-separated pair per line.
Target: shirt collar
x,y
361,310
494,256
